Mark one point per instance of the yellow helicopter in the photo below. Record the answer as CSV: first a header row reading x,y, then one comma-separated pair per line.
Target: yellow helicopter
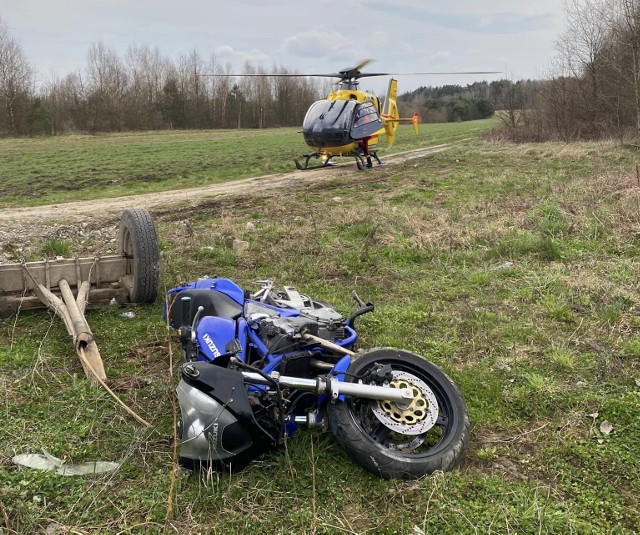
x,y
349,121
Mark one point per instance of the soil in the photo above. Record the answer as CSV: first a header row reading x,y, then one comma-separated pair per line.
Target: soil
x,y
95,222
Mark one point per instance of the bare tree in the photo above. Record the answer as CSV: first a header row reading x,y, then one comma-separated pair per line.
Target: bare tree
x,y
108,84
630,19
582,45
147,74
16,76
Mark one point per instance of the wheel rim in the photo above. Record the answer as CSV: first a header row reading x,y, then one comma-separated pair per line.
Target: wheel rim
x,y
127,251
428,440
415,418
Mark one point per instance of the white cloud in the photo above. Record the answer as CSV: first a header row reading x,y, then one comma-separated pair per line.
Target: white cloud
x,y
443,54
316,44
401,35
226,53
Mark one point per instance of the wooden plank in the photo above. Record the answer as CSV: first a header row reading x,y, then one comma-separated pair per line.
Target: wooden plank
x,y
49,272
10,304
83,337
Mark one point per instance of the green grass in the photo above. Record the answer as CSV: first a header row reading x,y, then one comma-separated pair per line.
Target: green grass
x,y
58,169
484,259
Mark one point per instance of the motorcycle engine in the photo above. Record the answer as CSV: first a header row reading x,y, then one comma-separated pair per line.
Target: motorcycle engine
x,y
282,334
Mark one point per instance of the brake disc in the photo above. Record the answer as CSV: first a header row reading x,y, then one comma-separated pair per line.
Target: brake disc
x,y
413,418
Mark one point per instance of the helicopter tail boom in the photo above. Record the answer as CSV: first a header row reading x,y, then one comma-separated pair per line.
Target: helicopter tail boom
x,y
390,115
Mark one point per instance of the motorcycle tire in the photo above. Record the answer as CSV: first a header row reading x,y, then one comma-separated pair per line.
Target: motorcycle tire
x,y
395,442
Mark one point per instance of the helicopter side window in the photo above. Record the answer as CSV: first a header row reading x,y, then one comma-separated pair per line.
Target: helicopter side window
x,y
366,121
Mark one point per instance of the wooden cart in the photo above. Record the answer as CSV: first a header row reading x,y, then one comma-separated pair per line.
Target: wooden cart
x,y
131,276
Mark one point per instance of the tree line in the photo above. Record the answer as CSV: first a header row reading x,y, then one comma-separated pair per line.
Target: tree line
x,y
591,91
452,103
145,91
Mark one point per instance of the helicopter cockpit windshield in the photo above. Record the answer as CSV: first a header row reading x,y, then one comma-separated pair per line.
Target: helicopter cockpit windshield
x,y
332,113
328,122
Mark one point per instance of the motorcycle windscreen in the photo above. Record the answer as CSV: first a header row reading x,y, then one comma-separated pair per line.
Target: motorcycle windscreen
x,y
328,122
366,121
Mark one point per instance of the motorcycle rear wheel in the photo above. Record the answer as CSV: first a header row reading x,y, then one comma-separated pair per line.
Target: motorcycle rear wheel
x,y
395,442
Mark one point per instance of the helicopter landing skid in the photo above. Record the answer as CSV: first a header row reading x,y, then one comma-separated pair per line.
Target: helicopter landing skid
x,y
307,157
363,164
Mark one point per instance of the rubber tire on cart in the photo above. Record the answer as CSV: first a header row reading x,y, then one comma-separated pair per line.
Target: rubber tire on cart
x,y
371,444
138,242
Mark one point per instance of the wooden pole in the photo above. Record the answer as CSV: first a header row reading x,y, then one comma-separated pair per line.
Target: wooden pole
x,y
83,337
72,312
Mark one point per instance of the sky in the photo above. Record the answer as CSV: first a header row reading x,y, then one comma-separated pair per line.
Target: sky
x,y
515,37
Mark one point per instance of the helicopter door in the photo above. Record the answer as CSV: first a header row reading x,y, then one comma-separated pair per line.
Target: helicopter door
x,y
366,121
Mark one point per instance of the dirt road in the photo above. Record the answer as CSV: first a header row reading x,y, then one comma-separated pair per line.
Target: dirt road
x,y
104,208
93,223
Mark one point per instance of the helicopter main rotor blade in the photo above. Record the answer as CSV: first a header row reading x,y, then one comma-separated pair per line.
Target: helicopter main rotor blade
x,y
363,63
350,74
431,73
282,75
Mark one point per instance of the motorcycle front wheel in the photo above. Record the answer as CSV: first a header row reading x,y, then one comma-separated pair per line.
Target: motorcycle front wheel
x,y
396,441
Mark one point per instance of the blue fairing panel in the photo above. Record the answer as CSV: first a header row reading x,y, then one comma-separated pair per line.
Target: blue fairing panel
x,y
213,334
225,286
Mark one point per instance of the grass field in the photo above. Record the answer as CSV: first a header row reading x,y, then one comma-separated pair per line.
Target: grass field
x,y
514,267
59,169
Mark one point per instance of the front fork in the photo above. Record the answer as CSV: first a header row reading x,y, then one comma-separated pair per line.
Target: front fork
x,y
330,386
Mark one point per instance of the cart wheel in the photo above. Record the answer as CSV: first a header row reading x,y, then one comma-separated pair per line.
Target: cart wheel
x,y
138,242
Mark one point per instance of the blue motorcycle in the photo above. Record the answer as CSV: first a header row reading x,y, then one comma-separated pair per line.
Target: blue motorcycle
x,y
259,365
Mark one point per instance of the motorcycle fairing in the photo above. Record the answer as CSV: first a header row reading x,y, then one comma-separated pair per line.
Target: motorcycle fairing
x,y
224,286
187,302
217,420
209,431
213,333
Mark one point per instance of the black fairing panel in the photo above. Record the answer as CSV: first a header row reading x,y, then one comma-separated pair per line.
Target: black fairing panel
x,y
227,387
224,385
